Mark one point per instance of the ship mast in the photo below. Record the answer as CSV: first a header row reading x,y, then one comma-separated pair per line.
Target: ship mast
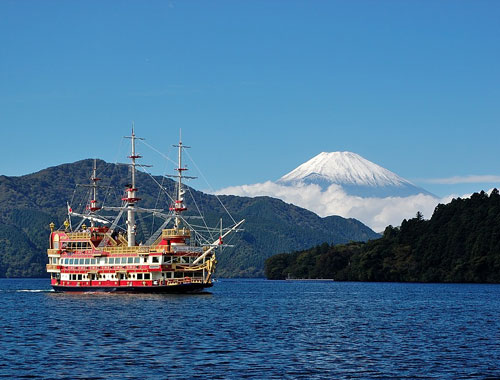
x,y
93,207
131,198
179,201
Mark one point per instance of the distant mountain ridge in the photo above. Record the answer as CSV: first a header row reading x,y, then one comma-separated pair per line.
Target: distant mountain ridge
x,y
355,174
29,203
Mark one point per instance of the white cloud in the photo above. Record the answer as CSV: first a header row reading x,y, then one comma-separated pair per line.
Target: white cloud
x,y
377,213
463,179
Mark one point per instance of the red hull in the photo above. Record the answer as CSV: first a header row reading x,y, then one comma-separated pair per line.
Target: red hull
x,y
180,288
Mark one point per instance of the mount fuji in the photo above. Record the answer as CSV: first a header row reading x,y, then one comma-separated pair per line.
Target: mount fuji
x,y
356,175
346,184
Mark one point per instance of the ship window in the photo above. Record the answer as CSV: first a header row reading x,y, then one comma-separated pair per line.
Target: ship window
x,y
147,276
92,261
70,261
79,277
105,260
130,260
139,276
66,261
87,261
137,260
111,260
155,259
124,260
144,259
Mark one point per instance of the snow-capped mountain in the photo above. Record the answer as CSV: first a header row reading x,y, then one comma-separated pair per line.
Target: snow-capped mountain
x,y
355,174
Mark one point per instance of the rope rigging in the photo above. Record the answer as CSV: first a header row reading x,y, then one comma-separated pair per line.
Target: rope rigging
x,y
201,234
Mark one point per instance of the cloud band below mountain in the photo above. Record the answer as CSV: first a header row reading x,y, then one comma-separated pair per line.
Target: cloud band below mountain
x,y
377,213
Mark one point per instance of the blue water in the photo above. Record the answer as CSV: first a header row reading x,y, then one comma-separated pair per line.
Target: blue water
x,y
253,329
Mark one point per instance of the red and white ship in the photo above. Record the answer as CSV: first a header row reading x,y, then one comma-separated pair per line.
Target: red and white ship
x,y
101,257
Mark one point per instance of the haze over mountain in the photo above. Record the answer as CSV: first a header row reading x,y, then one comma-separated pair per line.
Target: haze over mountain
x,y
346,184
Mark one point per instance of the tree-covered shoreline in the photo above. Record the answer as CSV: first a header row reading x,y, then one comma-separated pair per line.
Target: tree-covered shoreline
x,y
460,243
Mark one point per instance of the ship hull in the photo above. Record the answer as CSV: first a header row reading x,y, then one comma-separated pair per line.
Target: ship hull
x,y
172,289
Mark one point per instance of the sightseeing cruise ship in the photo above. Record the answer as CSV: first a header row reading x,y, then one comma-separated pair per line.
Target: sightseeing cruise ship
x,y
106,257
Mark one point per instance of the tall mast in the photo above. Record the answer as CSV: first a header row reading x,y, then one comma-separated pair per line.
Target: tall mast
x,y
131,198
179,201
93,207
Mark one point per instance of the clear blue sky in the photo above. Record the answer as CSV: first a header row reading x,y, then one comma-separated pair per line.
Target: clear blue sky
x,y
257,87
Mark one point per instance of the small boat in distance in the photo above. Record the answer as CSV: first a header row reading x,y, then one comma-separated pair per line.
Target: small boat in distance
x,y
104,257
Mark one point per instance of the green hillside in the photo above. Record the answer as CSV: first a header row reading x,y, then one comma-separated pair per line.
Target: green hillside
x,y
460,243
29,203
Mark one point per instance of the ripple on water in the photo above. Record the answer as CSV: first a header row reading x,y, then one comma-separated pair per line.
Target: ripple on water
x,y
253,329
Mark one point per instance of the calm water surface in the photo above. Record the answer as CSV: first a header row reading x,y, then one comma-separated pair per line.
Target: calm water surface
x,y
253,329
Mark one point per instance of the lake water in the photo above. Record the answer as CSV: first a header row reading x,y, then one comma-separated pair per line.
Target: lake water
x,y
254,329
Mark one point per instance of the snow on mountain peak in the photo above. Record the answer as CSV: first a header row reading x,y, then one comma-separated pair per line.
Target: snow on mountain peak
x,y
343,168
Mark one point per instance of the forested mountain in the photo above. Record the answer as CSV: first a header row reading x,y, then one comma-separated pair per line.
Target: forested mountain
x,y
29,203
460,243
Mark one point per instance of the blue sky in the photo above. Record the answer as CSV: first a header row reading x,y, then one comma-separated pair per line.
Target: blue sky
x,y
258,87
